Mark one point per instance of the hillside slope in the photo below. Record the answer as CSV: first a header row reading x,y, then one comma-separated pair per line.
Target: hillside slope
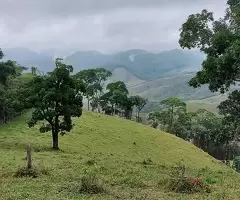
x,y
209,104
175,86
121,74
114,149
142,64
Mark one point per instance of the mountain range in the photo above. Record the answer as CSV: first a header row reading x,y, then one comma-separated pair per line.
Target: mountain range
x,y
141,63
155,76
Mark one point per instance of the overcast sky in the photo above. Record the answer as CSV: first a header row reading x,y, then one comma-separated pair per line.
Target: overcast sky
x,y
104,25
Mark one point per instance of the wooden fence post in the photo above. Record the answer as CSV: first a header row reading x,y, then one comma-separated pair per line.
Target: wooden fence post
x,y
29,157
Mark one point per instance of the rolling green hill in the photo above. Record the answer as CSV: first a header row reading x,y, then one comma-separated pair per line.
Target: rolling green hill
x,y
209,104
162,88
115,150
174,86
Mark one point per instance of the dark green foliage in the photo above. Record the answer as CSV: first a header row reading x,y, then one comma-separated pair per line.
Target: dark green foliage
x,y
139,102
1,54
230,108
10,86
236,163
209,132
117,102
220,41
172,117
56,98
93,81
113,100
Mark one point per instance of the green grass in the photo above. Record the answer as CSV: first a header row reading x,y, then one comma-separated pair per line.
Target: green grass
x,y
114,150
210,103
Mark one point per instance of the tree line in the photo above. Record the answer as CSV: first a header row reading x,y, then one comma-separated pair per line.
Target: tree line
x,y
113,99
11,83
57,96
212,133
219,40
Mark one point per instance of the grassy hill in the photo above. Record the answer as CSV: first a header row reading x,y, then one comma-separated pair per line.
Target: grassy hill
x,y
210,103
127,77
174,86
130,159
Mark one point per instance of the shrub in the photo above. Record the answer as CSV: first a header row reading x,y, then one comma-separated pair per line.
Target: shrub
x,y
90,184
90,162
181,183
187,185
31,172
25,172
147,161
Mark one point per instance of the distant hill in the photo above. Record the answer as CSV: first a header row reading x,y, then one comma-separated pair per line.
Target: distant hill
x,y
29,58
127,77
210,103
155,76
142,64
173,86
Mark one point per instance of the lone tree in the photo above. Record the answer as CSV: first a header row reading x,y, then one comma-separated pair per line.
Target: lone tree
x,y
55,98
139,103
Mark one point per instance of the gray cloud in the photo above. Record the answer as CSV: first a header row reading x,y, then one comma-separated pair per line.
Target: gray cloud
x,y
104,25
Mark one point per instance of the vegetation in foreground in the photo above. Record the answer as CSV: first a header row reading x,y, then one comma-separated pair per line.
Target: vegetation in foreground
x,y
107,157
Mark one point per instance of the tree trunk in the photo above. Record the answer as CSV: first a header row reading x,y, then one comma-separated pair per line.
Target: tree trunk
x,y
171,121
99,109
88,104
55,140
138,119
29,157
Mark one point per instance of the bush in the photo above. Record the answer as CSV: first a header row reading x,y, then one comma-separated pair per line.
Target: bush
x,y
186,185
90,184
147,161
181,183
32,172
91,162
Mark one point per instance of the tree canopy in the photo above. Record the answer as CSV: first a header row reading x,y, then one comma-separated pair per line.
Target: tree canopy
x,y
55,98
205,129
93,80
220,41
11,82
